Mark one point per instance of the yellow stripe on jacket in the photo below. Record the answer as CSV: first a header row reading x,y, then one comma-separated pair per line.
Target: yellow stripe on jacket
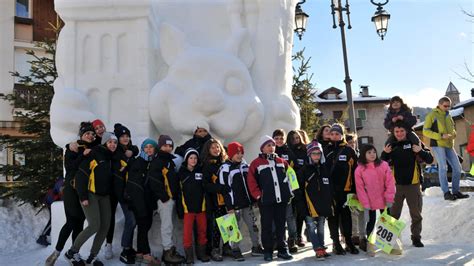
x,y
220,198
92,165
167,184
312,211
348,185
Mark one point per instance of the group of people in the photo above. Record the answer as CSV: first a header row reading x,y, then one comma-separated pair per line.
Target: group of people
x,y
104,169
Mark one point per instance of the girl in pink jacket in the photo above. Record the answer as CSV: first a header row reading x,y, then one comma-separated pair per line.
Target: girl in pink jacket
x,y
375,184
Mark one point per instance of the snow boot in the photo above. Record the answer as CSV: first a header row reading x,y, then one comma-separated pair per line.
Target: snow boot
x,y
227,251
300,243
370,249
460,195
292,245
128,256
351,247
170,256
201,253
257,251
337,248
449,196
363,244
356,240
216,255
74,258
189,256
268,256
94,261
284,254
320,254
237,255
417,243
108,253
43,240
51,260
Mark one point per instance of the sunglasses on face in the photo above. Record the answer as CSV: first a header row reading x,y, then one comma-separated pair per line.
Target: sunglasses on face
x,y
316,153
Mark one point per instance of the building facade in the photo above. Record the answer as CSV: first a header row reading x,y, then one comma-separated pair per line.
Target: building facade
x,y
369,111
22,22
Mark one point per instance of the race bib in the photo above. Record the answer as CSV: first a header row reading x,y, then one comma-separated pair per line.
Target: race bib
x,y
342,158
325,180
198,176
386,232
300,162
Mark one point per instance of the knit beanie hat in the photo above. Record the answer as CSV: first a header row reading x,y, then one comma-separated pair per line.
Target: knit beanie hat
x,y
265,140
188,153
313,146
97,122
203,126
163,140
120,130
85,127
233,148
107,136
338,128
148,141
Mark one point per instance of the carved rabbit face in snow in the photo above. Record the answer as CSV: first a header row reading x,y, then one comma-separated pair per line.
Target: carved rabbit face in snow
x,y
204,87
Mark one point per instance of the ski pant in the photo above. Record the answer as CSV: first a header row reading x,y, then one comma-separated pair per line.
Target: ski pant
x,y
143,226
201,222
248,216
341,215
412,193
98,218
165,210
269,214
113,209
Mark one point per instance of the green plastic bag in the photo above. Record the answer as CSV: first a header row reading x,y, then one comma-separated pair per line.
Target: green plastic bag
x,y
472,169
291,174
229,228
353,203
386,232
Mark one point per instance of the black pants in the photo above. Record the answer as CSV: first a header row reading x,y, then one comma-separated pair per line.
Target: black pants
x,y
143,226
73,224
299,208
113,209
216,234
269,214
372,218
342,215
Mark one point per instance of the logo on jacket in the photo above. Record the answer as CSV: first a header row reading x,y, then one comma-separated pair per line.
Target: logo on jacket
x,y
300,161
407,146
284,157
342,158
198,176
325,180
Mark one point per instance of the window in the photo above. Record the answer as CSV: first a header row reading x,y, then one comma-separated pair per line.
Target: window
x,y
331,96
366,140
23,8
362,114
337,115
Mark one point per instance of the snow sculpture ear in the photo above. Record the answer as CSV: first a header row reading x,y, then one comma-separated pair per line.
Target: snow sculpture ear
x,y
239,45
172,42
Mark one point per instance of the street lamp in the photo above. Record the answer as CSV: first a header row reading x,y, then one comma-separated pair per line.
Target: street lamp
x,y
380,19
301,18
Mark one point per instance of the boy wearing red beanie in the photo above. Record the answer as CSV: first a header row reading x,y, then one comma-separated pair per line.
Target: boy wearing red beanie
x,y
233,175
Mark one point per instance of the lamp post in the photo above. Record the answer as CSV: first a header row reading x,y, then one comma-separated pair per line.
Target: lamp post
x,y
380,19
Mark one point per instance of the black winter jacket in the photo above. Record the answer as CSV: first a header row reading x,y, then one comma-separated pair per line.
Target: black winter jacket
x,y
141,199
121,177
95,173
163,180
234,177
317,190
214,189
196,143
405,162
341,161
192,194
286,154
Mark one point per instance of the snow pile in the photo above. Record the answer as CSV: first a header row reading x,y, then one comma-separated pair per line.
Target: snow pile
x,y
20,227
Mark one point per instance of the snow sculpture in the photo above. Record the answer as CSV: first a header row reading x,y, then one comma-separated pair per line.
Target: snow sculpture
x,y
164,67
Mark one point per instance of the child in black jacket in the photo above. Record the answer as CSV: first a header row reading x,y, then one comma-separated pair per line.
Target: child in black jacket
x,y
317,192
141,200
164,184
233,174
193,205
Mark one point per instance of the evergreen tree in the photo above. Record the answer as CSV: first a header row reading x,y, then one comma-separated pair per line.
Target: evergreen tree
x,y
43,159
304,93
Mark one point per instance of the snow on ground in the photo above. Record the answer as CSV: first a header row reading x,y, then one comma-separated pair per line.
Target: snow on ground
x,y
448,235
